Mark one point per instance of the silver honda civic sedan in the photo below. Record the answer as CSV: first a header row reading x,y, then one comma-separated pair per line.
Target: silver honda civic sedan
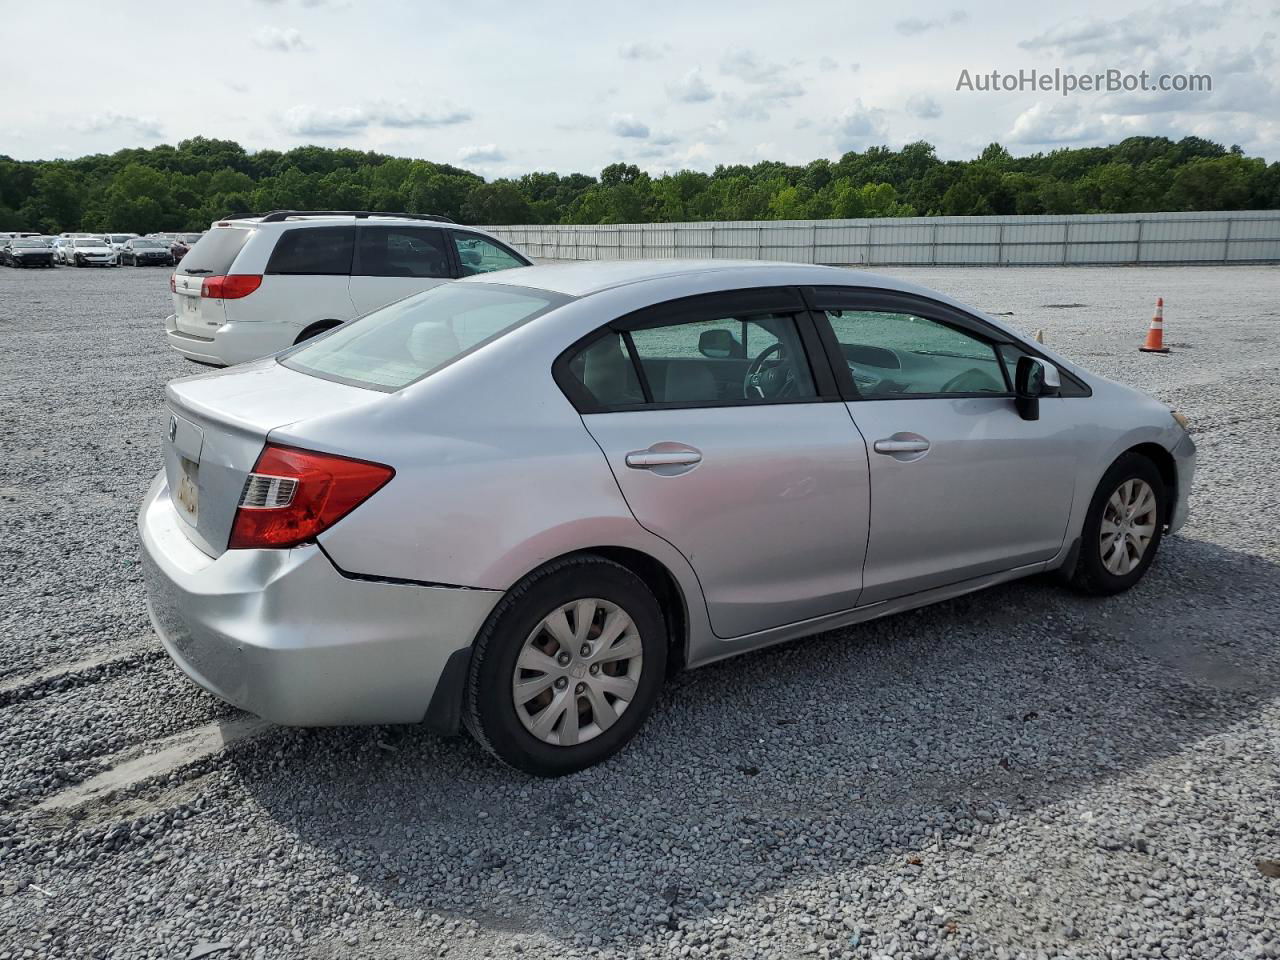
x,y
519,502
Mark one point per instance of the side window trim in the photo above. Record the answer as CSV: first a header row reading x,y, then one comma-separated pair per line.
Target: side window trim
x,y
822,299
762,300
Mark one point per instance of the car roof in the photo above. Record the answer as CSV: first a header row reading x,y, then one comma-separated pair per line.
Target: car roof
x,y
585,277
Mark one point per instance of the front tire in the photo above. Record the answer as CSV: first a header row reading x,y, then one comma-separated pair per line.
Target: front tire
x,y
567,667
1123,528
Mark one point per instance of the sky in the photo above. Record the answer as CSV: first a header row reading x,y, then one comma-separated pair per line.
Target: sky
x,y
504,88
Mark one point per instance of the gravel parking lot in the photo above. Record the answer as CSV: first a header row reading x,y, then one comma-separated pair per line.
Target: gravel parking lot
x,y
1019,773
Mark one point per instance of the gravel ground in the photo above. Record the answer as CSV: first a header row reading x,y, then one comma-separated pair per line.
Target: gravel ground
x,y
1019,773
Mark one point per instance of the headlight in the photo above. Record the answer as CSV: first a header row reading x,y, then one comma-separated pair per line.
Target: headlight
x,y
1180,420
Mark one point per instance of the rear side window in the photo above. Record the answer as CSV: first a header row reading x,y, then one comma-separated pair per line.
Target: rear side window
x,y
397,345
312,251
401,252
215,252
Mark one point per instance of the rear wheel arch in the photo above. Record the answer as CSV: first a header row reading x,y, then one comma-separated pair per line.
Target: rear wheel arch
x,y
661,582
317,328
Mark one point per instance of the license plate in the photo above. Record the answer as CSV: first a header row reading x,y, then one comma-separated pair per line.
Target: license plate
x,y
190,306
188,492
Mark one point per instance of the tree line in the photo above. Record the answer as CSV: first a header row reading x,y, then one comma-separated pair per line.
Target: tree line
x,y
202,180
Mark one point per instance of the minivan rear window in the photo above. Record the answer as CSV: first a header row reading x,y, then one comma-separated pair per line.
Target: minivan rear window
x,y
400,344
215,253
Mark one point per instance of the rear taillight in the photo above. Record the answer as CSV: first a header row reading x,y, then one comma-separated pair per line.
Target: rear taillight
x,y
292,495
231,287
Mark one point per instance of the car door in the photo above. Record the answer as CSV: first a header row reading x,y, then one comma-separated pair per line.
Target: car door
x,y
961,485
737,453
393,262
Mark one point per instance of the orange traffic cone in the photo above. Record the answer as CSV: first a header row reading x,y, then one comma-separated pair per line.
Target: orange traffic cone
x,y
1155,333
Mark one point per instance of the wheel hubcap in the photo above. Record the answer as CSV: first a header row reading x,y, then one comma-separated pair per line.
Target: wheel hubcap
x,y
1128,524
577,672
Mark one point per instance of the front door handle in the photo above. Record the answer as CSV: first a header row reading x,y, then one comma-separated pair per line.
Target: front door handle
x,y
901,446
647,459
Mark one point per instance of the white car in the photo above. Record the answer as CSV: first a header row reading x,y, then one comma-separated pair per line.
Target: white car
x,y
90,252
116,241
254,286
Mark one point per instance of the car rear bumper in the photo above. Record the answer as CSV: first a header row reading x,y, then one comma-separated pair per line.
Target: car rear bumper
x,y
231,342
285,635
1184,461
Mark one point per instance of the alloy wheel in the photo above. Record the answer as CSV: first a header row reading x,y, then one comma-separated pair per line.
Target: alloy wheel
x,y
577,672
1128,525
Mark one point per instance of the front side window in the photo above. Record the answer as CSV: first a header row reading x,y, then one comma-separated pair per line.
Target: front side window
x,y
713,361
401,252
903,355
477,254
404,342
312,251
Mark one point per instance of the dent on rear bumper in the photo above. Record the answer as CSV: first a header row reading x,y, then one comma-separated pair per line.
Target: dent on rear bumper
x,y
284,635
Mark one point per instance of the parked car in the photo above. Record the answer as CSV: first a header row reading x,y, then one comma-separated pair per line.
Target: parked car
x,y
254,286
180,245
89,252
520,501
61,247
117,240
26,253
143,251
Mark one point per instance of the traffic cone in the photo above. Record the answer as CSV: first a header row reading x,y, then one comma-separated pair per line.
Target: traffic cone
x,y
1040,335
1155,333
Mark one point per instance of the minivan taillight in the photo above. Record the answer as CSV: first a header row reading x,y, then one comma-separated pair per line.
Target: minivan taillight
x,y
231,287
292,495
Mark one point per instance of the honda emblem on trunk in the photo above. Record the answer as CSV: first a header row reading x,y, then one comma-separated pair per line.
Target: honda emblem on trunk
x,y
173,427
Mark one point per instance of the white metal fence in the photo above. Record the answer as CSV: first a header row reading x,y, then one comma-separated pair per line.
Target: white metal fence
x,y
1151,238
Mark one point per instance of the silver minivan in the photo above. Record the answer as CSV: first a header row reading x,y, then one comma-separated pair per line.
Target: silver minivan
x,y
256,285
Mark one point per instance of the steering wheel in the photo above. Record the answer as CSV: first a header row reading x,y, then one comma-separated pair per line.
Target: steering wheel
x,y
770,375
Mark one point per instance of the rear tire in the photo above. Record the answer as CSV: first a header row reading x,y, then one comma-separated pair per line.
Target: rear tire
x,y
1113,559
515,646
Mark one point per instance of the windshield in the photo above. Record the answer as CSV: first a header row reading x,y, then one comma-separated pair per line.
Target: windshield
x,y
147,243
400,344
27,243
118,238
90,243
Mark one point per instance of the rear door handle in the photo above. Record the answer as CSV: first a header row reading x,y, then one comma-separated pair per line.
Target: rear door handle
x,y
647,459
901,446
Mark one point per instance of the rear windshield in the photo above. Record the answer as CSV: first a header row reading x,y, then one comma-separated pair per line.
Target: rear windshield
x,y
215,252
397,345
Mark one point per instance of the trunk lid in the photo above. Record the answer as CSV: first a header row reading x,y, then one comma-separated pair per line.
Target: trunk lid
x,y
215,426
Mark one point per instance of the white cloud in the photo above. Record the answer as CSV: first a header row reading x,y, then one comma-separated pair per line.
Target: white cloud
x,y
914,26
280,39
1142,29
625,125
641,50
311,121
691,88
923,108
858,127
485,153
749,66
146,127
828,64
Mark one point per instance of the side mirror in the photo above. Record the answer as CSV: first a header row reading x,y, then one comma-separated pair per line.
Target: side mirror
x,y
719,344
1034,378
